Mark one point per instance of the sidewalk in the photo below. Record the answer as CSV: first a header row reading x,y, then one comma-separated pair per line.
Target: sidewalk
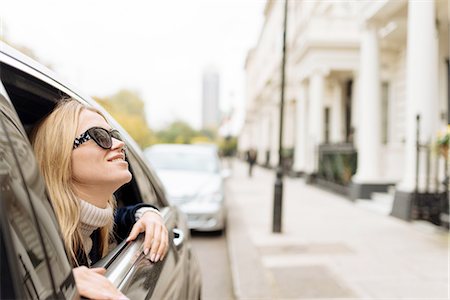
x,y
329,247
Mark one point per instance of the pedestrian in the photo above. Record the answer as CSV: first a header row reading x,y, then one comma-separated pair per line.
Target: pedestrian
x,y
82,160
251,160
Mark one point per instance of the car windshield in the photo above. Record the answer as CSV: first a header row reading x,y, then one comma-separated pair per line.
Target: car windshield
x,y
202,161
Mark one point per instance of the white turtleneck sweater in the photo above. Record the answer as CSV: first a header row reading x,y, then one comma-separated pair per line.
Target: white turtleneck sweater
x,y
93,217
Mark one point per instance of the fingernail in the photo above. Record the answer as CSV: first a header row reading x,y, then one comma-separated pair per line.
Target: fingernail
x,y
157,258
128,239
152,258
146,251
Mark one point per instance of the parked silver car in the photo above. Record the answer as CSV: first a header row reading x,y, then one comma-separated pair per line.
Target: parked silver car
x,y
34,264
194,180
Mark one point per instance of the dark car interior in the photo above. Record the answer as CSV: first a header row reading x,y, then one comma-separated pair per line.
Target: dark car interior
x,y
33,100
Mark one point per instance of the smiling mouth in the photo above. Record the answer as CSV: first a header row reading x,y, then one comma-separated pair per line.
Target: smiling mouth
x,y
116,159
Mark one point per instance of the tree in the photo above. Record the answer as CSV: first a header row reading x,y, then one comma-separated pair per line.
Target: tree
x,y
228,146
128,109
180,132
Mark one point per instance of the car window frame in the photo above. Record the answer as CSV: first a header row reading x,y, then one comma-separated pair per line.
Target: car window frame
x,y
169,214
32,206
9,252
141,163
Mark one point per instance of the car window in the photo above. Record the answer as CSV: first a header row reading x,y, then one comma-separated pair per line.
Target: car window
x,y
32,98
143,182
24,196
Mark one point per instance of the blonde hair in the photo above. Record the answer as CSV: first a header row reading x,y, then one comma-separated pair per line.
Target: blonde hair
x,y
53,143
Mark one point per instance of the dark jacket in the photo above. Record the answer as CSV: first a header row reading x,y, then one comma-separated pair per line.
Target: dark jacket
x,y
124,219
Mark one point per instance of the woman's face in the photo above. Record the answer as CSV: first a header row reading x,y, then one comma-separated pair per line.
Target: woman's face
x,y
97,170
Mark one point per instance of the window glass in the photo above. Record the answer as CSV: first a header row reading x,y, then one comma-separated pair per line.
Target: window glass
x,y
448,90
24,194
142,180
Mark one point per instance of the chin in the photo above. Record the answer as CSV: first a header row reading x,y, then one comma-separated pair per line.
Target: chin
x,y
120,180
125,177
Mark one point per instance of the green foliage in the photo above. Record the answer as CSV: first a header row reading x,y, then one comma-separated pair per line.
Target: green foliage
x,y
338,166
443,139
128,102
128,109
228,146
180,132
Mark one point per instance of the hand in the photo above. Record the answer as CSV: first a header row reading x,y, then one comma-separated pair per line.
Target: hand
x,y
156,235
92,283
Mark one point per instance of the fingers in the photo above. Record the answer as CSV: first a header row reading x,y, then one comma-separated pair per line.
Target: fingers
x,y
101,271
156,239
163,246
93,285
156,236
137,228
154,256
149,235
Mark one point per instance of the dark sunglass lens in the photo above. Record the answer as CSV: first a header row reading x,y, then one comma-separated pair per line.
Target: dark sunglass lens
x,y
115,134
101,137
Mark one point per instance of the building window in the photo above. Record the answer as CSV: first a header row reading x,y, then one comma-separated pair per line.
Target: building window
x,y
448,91
348,111
327,125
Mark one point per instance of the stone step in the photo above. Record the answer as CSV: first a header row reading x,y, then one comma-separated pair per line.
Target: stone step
x,y
379,203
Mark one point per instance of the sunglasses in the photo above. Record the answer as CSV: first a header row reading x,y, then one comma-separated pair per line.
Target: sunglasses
x,y
101,136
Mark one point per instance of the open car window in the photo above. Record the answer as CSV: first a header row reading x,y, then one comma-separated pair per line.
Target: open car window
x,y
33,99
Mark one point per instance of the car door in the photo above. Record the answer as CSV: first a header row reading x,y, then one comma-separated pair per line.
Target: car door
x,y
34,263
138,277
34,92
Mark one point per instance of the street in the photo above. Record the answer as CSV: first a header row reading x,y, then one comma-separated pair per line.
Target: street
x,y
212,253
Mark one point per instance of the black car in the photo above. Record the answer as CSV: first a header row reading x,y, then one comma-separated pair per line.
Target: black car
x,y
34,264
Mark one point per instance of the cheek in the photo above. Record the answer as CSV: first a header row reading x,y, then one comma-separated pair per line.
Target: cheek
x,y
85,165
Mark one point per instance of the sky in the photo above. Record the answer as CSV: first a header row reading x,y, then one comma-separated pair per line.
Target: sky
x,y
157,48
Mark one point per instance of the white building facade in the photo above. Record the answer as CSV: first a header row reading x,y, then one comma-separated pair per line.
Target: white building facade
x,y
358,74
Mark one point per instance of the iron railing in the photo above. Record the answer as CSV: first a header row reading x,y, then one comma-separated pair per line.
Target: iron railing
x,y
430,200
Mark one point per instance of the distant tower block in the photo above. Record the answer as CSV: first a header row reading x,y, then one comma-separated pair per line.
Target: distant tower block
x,y
210,99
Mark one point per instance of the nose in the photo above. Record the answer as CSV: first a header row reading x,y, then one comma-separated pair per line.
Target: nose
x,y
118,144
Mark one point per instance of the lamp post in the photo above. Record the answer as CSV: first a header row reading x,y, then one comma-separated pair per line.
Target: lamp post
x,y
278,190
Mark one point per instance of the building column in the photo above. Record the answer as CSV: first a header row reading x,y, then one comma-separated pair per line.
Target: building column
x,y
369,126
421,95
262,136
316,119
300,139
367,178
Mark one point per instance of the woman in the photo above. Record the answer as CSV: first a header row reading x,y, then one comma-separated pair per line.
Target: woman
x,y
82,160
